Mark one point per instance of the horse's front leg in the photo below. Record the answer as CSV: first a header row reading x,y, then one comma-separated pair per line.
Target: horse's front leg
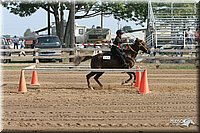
x,y
88,76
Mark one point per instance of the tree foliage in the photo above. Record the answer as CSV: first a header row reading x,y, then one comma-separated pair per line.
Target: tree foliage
x,y
27,32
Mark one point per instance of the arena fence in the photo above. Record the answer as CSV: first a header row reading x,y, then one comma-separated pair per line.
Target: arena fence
x,y
78,51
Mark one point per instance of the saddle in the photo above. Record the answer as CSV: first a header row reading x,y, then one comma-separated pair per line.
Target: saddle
x,y
107,56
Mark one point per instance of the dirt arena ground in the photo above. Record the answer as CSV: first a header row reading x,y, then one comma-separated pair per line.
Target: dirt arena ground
x,y
63,102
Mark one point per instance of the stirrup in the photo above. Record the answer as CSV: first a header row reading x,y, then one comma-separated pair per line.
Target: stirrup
x,y
125,65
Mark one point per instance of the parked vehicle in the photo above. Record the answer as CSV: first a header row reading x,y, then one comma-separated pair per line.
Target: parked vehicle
x,y
49,46
98,35
5,45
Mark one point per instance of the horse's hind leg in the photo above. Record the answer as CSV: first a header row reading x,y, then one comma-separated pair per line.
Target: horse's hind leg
x,y
88,76
97,76
134,80
131,74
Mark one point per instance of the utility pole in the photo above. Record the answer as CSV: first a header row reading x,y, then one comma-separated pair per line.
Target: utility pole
x,y
101,20
48,20
72,28
101,17
118,24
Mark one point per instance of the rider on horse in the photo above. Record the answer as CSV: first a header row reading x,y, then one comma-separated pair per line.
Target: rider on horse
x,y
116,48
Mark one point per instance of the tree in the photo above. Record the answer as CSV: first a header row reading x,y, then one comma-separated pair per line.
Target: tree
x,y
27,32
24,9
129,11
126,28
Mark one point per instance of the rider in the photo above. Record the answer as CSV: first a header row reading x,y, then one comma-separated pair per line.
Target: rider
x,y
116,47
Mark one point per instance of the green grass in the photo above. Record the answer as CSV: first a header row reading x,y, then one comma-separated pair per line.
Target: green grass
x,y
186,66
181,66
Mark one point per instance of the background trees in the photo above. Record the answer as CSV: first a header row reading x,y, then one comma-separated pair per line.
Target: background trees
x,y
27,32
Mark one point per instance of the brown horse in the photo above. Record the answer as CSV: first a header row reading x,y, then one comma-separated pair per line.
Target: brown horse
x,y
98,61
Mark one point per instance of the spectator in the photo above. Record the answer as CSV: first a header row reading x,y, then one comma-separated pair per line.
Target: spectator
x,y
179,38
22,46
189,36
15,40
33,44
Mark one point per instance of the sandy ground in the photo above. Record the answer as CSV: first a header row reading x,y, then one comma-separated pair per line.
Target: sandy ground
x,y
63,102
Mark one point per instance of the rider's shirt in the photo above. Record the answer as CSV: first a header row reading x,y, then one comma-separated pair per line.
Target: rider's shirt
x,y
117,42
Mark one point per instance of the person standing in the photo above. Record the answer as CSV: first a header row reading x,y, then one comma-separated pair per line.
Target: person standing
x,y
15,40
189,35
116,47
22,46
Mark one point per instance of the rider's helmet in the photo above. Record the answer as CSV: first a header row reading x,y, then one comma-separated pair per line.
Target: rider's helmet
x,y
120,32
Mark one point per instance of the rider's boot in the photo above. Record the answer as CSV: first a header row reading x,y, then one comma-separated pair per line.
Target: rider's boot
x,y
125,65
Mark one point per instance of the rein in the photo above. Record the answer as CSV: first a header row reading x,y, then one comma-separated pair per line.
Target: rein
x,y
132,49
143,46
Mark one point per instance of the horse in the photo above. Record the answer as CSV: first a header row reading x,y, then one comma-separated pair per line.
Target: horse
x,y
99,62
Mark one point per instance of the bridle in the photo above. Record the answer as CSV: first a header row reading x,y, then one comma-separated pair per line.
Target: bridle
x,y
132,49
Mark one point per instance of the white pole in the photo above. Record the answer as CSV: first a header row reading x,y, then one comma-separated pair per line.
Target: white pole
x,y
156,39
184,39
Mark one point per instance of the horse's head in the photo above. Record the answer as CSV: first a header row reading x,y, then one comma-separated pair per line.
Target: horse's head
x,y
141,45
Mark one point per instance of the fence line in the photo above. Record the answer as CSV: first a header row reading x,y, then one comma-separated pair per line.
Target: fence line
x,y
66,56
168,58
90,49
139,57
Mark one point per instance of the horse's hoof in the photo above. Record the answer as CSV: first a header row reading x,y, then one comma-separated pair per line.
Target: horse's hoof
x,y
91,88
123,83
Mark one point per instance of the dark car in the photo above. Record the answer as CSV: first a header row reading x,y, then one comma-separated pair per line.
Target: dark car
x,y
48,45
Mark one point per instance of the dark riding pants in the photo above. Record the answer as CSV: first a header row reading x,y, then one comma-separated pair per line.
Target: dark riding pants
x,y
118,53
16,45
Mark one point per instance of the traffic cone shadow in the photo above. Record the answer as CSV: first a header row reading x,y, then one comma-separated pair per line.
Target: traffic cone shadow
x,y
144,86
138,77
22,83
34,79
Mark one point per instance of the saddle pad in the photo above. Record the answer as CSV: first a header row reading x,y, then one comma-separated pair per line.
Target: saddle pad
x,y
106,57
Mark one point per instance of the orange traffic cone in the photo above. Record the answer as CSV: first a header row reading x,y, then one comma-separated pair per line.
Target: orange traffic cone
x,y
144,87
138,77
34,79
22,83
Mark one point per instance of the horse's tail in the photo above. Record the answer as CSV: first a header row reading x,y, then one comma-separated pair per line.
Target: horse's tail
x,y
79,59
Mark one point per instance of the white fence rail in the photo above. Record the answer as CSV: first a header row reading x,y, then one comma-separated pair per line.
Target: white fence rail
x,y
84,51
